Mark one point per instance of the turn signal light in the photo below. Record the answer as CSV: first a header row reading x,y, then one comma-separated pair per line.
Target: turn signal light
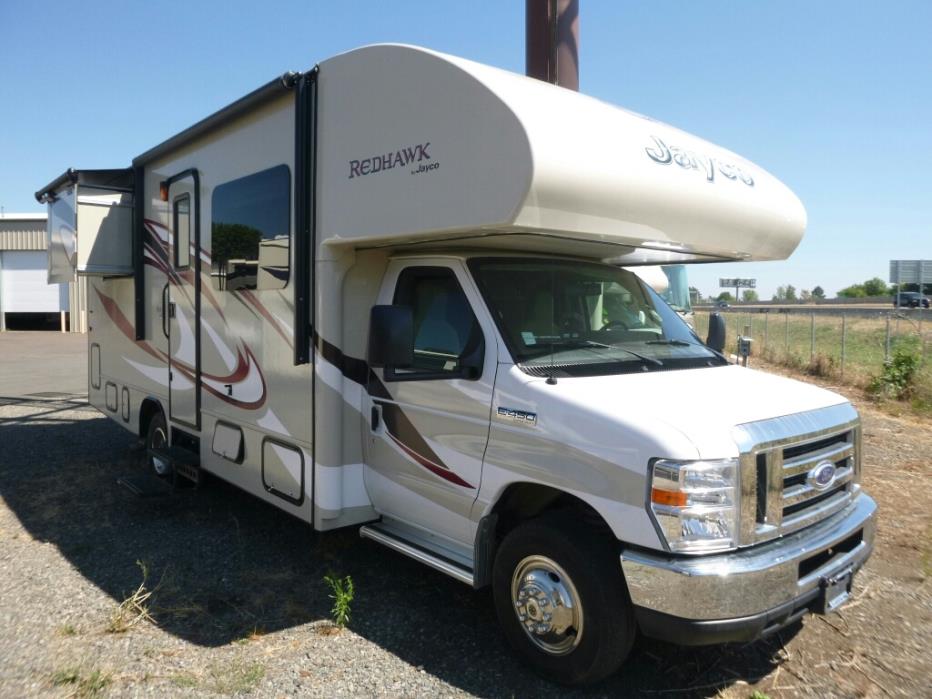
x,y
163,191
672,498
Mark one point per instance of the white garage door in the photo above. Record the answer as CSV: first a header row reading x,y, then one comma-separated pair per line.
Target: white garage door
x,y
23,286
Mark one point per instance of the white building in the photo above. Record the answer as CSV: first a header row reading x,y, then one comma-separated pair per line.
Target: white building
x,y
27,300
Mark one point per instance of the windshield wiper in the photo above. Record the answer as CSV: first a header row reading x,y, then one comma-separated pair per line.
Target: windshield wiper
x,y
602,345
673,343
684,343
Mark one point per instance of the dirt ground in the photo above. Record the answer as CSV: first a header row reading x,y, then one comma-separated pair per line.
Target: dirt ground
x,y
239,605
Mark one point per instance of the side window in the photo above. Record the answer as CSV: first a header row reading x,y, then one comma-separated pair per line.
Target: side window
x,y
447,339
181,223
250,231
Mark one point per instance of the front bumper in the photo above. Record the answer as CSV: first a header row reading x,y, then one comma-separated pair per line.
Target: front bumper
x,y
745,594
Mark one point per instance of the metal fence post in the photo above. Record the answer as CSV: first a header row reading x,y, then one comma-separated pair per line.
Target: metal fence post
x,y
886,342
844,338
811,337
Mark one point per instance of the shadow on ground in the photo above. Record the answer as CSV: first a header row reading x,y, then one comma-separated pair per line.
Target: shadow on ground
x,y
229,564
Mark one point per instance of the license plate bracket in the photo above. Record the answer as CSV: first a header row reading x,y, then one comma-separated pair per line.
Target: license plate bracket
x,y
835,590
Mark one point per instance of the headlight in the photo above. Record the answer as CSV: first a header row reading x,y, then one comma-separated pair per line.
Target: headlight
x,y
695,503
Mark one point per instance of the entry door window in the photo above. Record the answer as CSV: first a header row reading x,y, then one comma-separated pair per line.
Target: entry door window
x,y
446,332
181,221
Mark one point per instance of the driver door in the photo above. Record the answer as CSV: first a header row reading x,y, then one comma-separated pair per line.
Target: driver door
x,y
430,422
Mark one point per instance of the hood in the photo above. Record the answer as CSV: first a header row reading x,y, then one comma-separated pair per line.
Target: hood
x,y
701,405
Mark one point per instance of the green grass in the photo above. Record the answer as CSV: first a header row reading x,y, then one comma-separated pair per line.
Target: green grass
x,y
813,344
235,677
91,684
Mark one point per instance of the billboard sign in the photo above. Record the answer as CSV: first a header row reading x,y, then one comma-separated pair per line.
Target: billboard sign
x,y
737,283
910,271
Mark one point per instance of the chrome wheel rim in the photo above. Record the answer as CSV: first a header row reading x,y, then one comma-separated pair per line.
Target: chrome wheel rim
x,y
159,440
547,605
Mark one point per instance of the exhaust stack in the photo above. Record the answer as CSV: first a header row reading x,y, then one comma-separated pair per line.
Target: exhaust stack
x,y
552,41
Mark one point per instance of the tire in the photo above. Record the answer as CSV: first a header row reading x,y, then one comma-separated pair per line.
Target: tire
x,y
555,557
156,437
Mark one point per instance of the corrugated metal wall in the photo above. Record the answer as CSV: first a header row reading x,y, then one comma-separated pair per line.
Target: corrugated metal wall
x,y
22,235
26,233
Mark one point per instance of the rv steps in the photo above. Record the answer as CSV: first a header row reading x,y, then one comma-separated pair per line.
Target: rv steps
x,y
184,463
419,548
146,485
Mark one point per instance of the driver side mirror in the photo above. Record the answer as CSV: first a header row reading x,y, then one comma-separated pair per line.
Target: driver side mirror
x,y
716,338
391,337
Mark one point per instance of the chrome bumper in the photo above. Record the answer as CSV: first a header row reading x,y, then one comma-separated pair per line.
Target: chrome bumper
x,y
751,583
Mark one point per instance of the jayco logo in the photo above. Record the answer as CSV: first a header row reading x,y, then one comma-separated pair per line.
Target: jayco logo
x,y
688,160
411,155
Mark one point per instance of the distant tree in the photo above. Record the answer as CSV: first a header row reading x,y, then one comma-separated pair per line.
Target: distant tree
x,y
805,295
855,291
818,293
749,296
780,294
875,287
790,292
725,296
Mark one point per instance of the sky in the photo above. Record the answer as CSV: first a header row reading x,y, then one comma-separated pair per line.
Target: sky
x,y
834,98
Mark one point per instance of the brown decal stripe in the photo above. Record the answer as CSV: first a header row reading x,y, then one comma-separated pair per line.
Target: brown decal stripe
x,y
405,434
398,426
430,466
125,327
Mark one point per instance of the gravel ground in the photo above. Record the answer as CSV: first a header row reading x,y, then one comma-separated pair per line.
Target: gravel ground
x,y
239,606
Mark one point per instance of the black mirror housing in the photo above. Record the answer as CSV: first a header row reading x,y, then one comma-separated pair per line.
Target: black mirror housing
x,y
716,338
391,337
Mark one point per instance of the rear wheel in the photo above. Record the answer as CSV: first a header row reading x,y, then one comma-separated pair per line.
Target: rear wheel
x,y
157,438
561,599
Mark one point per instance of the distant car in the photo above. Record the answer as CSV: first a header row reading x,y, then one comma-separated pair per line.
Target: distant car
x,y
910,299
724,304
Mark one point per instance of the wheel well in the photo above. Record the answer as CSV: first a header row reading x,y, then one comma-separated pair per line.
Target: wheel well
x,y
149,408
519,503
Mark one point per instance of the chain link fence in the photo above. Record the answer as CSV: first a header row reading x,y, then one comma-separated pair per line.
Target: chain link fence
x,y
853,346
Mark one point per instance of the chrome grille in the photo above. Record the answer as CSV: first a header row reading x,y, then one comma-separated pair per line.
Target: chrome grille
x,y
802,503
777,456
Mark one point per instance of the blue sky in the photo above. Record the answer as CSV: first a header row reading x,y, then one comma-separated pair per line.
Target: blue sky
x,y
834,98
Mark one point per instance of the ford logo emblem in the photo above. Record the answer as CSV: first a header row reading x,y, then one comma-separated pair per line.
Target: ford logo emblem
x,y
822,476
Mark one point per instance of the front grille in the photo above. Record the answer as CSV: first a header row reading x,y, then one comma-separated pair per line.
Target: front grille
x,y
777,457
804,503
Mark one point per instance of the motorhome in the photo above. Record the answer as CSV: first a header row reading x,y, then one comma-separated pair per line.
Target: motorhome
x,y
375,294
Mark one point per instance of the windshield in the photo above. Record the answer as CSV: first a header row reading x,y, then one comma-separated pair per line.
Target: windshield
x,y
582,318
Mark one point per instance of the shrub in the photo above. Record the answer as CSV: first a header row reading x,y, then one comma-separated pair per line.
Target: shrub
x,y
898,378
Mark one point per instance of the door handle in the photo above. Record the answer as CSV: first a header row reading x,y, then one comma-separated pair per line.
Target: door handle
x,y
165,310
375,419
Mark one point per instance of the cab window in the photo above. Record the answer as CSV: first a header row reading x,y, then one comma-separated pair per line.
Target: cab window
x,y
447,339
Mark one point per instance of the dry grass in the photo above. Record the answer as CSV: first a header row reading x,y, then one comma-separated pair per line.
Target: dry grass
x,y
238,677
134,608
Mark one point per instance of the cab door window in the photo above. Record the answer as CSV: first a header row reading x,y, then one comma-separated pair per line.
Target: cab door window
x,y
448,342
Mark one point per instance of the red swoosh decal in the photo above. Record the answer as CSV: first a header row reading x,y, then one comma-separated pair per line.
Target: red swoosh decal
x,y
430,465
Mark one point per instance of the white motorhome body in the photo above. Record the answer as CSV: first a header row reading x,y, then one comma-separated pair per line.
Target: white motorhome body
x,y
411,186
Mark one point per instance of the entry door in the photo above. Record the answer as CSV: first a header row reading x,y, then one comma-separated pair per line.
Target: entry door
x,y
430,423
183,301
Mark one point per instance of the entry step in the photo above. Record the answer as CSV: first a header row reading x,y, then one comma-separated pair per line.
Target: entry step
x,y
145,485
184,463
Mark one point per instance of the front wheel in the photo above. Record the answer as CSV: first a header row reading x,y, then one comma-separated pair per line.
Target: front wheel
x,y
561,599
157,438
